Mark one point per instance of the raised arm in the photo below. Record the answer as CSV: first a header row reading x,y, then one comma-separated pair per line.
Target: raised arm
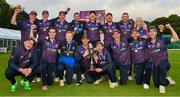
x,y
173,32
13,20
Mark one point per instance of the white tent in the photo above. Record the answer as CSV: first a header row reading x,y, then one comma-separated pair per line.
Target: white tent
x,y
9,39
9,34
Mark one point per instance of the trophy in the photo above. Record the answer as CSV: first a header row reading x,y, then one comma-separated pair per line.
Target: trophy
x,y
91,53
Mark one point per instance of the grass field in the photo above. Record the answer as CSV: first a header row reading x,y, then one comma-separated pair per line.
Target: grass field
x,y
93,90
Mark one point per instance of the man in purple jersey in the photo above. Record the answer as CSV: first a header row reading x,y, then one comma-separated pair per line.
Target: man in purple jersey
x,y
22,62
125,26
140,59
121,54
25,25
102,66
77,27
157,49
93,28
108,29
62,26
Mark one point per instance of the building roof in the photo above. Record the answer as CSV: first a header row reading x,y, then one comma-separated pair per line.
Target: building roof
x,y
10,34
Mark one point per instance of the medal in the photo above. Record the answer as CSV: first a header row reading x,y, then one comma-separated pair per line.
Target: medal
x,y
110,30
92,28
136,50
44,29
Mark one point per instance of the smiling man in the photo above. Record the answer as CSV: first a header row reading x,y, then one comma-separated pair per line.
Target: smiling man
x,y
22,62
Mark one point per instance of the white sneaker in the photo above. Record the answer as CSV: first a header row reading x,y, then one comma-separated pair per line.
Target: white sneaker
x,y
38,79
82,77
33,81
171,81
130,78
97,81
162,89
145,86
114,85
56,79
74,77
61,83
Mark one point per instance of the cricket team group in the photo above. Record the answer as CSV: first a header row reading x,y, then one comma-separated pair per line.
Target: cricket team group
x,y
55,50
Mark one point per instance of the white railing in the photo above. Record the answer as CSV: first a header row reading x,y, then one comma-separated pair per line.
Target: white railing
x,y
3,49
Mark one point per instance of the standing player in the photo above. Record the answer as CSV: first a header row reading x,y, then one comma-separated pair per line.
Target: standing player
x,y
157,49
141,27
93,29
77,26
125,26
49,57
25,25
121,54
22,62
108,29
140,59
62,26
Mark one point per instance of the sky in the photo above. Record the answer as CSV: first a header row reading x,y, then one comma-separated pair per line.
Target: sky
x,y
147,9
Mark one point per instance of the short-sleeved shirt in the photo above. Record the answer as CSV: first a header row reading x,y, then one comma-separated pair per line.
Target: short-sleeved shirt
x,y
93,29
158,50
108,29
126,28
25,26
138,49
62,28
121,52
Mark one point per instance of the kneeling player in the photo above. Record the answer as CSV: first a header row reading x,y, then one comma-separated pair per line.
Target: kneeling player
x,y
67,60
22,62
157,49
103,66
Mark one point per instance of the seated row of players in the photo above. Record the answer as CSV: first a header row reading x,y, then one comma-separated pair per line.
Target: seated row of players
x,y
123,45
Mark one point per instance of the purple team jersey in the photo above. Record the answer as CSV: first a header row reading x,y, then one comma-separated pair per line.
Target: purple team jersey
x,y
138,51
158,50
108,29
62,28
93,31
121,52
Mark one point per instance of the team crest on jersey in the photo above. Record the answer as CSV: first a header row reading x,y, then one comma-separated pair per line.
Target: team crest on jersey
x,y
73,48
65,26
123,44
29,55
149,46
129,26
56,45
140,42
21,57
158,44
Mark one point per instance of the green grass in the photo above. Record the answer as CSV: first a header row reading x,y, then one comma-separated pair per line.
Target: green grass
x,y
93,90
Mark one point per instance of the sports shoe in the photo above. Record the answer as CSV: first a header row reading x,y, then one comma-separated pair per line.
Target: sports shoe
x,y
44,88
61,83
56,79
114,85
145,86
162,89
13,87
97,81
130,78
171,81
38,79
27,86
